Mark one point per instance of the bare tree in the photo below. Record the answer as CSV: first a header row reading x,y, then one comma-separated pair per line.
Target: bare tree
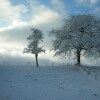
x,y
79,34
34,40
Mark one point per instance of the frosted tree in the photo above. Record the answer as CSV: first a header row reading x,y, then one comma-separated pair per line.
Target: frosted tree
x,y
34,40
80,34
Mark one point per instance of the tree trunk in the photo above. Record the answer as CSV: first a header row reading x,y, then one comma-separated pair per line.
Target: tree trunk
x,y
78,57
36,56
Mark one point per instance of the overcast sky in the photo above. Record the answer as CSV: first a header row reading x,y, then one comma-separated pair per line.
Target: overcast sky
x,y
18,16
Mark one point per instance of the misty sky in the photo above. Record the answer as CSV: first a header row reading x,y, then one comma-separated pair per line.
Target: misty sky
x,y
18,16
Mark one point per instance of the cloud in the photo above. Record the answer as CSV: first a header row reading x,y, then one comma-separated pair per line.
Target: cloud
x,y
87,2
43,15
13,35
60,7
58,3
96,11
10,12
92,6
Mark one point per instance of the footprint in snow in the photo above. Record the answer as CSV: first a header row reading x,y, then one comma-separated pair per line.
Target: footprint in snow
x,y
94,94
8,97
28,76
11,86
60,87
35,79
55,77
7,81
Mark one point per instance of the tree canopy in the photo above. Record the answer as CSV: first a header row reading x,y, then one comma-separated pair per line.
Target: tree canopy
x,y
79,34
35,39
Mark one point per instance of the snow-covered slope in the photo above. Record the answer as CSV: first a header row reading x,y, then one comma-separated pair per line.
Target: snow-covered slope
x,y
58,83
93,73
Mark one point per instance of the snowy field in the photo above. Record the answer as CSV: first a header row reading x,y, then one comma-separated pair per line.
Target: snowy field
x,y
58,83
94,73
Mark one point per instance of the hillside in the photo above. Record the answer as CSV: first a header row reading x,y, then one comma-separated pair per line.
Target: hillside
x,y
55,83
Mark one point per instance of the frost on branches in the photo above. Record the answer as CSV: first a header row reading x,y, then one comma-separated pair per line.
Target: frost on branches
x,y
34,40
80,34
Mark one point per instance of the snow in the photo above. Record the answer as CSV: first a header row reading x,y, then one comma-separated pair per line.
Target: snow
x,y
94,73
46,83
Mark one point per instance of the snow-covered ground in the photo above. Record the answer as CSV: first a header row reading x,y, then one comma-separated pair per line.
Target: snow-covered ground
x,y
55,83
94,72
